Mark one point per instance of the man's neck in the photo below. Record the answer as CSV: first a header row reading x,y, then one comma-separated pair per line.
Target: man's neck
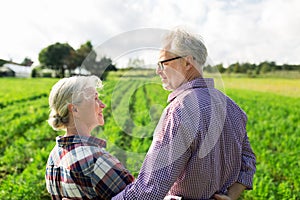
x,y
193,74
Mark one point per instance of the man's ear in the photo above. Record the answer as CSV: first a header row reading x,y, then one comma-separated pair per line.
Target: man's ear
x,y
189,60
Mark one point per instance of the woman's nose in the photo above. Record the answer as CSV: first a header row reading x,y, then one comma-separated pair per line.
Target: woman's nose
x,y
102,105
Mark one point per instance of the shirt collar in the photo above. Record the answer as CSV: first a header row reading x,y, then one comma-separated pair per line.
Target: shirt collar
x,y
196,83
75,139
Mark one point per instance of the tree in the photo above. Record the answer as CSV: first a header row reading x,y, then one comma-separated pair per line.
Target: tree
x,y
135,63
2,62
233,68
246,67
88,60
27,62
72,61
62,56
84,51
236,68
208,68
220,68
98,68
265,67
56,57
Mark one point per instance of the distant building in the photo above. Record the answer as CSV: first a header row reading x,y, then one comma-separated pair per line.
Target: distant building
x,y
16,70
5,71
81,71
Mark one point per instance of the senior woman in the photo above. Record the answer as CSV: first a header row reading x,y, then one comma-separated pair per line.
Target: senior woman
x,y
78,167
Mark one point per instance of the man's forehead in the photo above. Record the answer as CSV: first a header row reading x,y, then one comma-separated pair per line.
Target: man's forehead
x,y
165,53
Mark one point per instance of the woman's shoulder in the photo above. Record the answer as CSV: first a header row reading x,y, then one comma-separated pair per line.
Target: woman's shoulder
x,y
93,153
54,157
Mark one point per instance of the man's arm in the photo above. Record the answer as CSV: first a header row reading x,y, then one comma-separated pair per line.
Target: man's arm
x,y
234,192
165,160
248,166
245,179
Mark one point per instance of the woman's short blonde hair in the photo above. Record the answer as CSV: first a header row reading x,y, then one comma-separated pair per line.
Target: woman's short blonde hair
x,y
65,92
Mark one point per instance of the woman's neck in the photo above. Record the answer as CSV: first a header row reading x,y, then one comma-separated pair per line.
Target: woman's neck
x,y
78,130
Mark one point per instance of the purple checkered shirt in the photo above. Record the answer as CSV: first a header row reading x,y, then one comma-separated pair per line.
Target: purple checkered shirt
x,y
79,168
200,147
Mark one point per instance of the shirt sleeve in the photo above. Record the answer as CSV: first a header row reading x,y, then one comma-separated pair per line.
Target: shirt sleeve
x,y
248,167
164,162
56,197
109,176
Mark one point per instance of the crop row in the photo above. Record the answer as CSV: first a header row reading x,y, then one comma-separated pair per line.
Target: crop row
x,y
274,130
134,115
16,124
19,90
30,182
119,126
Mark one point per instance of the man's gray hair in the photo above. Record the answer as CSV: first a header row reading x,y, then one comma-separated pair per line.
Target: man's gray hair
x,y
183,43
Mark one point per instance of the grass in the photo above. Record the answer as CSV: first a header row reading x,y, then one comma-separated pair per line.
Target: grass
x,y
280,86
272,106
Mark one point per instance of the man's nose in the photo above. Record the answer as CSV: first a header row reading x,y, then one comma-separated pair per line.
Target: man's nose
x,y
158,70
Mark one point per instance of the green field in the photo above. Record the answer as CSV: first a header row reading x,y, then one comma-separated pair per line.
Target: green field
x,y
133,107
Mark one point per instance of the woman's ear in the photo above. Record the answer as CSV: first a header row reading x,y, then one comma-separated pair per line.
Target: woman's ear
x,y
72,108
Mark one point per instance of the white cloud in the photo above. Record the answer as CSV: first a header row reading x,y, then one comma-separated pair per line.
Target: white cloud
x,y
253,32
235,30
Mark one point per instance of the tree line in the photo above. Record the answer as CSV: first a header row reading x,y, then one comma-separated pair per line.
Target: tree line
x,y
252,69
61,57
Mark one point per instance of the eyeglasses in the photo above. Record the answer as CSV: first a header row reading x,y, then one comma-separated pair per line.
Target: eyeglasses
x,y
160,64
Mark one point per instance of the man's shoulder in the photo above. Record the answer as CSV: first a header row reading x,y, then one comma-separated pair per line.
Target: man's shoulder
x,y
198,97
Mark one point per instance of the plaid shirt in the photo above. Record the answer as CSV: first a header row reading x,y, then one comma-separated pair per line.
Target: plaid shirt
x,y
79,168
200,147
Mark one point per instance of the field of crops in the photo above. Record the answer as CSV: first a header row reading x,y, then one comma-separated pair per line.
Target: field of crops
x,y
134,105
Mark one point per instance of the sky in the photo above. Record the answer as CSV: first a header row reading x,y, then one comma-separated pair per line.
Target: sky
x,y
232,30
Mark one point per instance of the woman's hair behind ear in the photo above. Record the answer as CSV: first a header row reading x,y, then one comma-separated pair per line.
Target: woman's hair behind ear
x,y
65,92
